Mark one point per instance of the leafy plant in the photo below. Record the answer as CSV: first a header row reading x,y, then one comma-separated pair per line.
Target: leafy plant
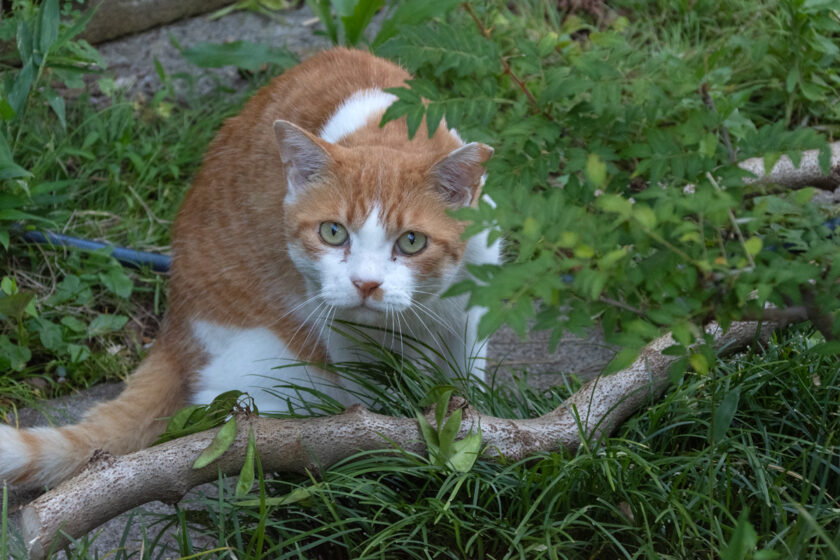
x,y
345,21
47,55
613,183
444,449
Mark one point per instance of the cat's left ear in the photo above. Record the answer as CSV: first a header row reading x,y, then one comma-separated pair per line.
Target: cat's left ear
x,y
304,158
459,175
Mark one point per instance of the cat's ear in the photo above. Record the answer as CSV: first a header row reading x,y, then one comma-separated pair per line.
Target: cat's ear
x,y
304,158
458,176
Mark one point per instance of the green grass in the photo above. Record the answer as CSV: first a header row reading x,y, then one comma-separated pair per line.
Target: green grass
x,y
661,487
122,170
658,488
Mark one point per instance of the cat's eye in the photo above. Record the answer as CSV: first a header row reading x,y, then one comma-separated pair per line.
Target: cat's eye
x,y
411,242
333,233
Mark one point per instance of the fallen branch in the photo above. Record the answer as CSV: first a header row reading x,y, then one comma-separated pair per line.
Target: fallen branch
x,y
111,485
785,173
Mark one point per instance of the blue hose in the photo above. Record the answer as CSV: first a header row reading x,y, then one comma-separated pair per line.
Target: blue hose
x,y
130,257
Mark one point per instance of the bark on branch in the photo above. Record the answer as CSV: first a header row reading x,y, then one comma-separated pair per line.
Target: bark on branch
x,y
111,485
785,173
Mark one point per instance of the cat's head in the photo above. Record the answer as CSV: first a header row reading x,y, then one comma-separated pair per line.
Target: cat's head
x,y
368,227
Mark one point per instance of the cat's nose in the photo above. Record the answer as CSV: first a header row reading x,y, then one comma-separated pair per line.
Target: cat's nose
x,y
367,288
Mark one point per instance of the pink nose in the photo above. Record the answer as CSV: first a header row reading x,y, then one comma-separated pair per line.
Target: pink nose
x,y
366,287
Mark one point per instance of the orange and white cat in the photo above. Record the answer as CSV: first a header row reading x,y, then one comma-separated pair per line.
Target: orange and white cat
x,y
305,211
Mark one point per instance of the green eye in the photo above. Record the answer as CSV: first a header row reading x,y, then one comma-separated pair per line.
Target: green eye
x,y
411,242
333,233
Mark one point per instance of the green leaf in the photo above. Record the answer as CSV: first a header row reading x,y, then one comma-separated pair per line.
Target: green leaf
x,y
246,475
182,418
699,363
12,355
242,54
357,21
20,89
6,110
73,324
546,44
50,335
724,413
753,246
323,9
15,305
448,433
434,114
105,323
224,404
430,436
596,170
23,39
413,119
412,12
465,452
743,540
117,282
708,145
623,359
645,216
791,80
441,404
48,25
57,104
222,441
830,348
615,204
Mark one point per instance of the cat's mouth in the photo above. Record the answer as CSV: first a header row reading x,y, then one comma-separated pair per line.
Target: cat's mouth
x,y
366,306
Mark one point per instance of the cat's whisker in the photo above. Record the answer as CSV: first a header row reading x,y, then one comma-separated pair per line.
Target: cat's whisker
x,y
397,314
295,308
436,317
325,310
305,321
327,322
432,338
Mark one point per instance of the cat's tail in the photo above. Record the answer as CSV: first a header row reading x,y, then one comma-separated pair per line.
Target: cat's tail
x,y
45,456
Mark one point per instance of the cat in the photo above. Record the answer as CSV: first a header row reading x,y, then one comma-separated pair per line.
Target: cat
x,y
305,211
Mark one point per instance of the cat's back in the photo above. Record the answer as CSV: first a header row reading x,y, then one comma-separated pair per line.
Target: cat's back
x,y
311,92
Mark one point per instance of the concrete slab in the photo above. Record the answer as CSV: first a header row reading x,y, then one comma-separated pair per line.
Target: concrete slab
x,y
131,60
584,357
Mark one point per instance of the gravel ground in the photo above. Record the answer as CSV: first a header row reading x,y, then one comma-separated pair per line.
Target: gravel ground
x,y
131,61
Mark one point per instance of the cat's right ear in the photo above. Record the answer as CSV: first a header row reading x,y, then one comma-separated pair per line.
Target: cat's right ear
x,y
303,156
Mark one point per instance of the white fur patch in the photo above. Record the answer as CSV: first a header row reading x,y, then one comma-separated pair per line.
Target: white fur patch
x,y
57,460
354,113
457,136
14,454
247,360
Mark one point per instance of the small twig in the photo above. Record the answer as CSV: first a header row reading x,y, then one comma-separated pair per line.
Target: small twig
x,y
621,305
707,99
486,33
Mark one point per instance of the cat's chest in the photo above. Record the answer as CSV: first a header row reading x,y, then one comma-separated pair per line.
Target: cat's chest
x,y
256,361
